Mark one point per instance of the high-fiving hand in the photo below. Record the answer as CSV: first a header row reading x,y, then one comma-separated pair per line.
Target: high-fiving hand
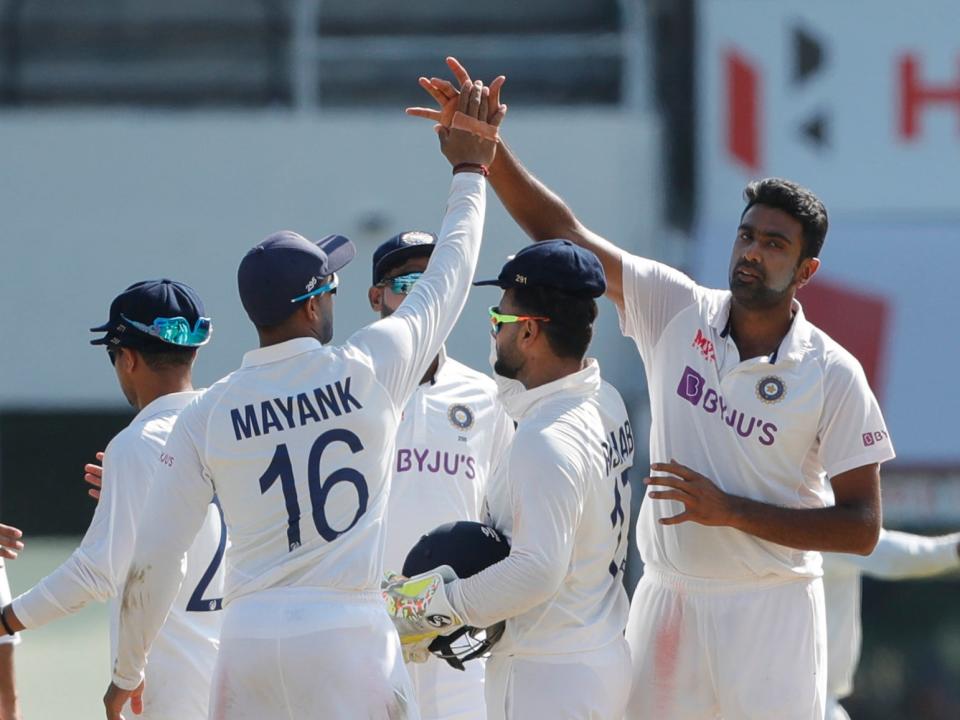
x,y
447,96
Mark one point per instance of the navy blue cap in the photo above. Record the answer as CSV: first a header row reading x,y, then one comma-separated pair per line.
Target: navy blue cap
x,y
285,266
134,312
557,264
396,250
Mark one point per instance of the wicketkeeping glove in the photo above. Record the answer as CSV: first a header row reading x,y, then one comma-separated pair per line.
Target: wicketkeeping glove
x,y
419,607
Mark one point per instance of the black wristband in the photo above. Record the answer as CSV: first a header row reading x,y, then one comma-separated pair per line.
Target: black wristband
x,y
3,619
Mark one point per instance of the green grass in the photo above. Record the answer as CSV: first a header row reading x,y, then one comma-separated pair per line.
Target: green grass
x,y
62,668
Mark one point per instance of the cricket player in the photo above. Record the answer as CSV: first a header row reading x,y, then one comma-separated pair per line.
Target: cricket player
x,y
10,545
9,702
298,444
560,498
756,414
898,556
152,336
452,431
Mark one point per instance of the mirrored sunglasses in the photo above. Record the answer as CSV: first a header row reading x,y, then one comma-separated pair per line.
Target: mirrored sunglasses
x,y
401,284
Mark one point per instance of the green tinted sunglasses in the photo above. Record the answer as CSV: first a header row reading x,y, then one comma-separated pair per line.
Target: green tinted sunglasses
x,y
497,318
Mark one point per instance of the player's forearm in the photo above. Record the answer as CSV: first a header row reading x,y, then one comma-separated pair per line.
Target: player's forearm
x,y
150,589
504,590
852,528
903,555
69,588
543,215
539,211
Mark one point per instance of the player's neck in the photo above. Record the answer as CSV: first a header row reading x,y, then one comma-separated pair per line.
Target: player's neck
x,y
759,332
162,384
535,374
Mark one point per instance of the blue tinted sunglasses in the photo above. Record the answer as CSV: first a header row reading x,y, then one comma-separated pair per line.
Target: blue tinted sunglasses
x,y
401,284
330,287
176,330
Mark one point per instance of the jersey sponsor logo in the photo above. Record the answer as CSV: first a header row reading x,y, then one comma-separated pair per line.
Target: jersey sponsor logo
x,y
293,411
618,447
435,461
771,389
693,388
705,346
460,416
873,438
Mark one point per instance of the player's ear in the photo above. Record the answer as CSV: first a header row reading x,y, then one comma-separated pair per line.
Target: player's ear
x,y
128,359
375,296
808,268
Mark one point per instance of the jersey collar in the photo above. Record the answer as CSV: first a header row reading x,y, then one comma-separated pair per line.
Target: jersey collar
x,y
795,344
280,351
165,403
519,402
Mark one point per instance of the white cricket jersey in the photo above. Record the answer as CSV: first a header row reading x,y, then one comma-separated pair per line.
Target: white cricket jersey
x,y
451,432
4,601
898,556
182,659
298,446
562,497
772,429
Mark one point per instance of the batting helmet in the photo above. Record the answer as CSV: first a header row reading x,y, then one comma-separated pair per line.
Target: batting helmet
x,y
467,547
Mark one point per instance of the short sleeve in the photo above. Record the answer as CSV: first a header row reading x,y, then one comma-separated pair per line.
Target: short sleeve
x,y
852,431
653,294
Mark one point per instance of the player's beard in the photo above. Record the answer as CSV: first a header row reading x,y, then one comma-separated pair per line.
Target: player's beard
x,y
759,295
506,363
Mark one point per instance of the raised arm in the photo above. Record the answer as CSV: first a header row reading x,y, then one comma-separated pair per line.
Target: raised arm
x,y
541,213
402,346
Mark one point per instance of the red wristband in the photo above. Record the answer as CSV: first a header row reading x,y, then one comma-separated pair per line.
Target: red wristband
x,y
474,167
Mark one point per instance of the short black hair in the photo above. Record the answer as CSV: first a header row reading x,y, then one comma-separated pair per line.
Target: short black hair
x,y
571,318
798,202
163,356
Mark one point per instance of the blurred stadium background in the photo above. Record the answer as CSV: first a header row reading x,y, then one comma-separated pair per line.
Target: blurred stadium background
x,y
145,139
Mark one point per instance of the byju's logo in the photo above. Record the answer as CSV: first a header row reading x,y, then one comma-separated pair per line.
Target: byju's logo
x,y
693,388
872,438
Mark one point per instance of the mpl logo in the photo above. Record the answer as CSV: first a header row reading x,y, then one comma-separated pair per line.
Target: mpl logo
x,y
705,346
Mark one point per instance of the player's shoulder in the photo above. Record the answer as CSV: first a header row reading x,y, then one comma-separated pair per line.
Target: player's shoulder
x,y
835,361
465,374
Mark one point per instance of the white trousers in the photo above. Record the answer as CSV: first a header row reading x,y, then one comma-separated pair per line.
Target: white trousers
x,y
592,685
302,654
444,693
738,651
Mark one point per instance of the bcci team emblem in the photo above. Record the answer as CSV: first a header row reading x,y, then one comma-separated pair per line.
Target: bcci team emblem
x,y
460,416
771,389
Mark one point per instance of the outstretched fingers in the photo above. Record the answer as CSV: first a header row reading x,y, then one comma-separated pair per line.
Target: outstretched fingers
x,y
458,70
